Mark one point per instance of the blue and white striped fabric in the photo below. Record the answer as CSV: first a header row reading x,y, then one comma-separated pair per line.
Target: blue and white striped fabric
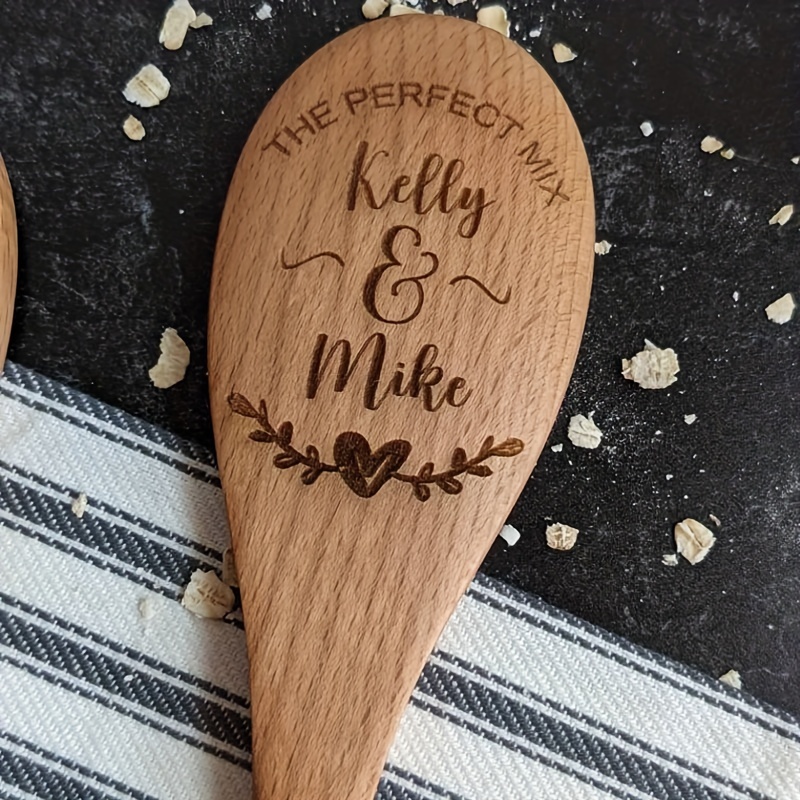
x,y
519,702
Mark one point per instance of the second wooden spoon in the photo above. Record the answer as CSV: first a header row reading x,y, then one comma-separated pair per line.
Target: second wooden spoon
x,y
8,260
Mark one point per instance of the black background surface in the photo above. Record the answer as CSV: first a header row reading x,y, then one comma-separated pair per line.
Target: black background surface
x,y
117,242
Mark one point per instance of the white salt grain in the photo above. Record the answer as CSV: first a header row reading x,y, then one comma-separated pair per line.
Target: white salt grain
x,y
510,535
728,153
602,248
207,596
176,24
133,128
172,362
494,17
79,505
561,537
264,12
795,159
202,20
781,310
562,53
148,607
147,88
372,9
646,128
693,540
782,215
652,368
710,144
690,419
670,559
582,432
715,520
557,448
732,678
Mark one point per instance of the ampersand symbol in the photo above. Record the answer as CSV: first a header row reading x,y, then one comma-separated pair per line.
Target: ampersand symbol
x,y
414,283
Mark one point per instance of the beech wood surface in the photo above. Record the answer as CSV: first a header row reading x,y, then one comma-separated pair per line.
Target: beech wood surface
x,y
418,188
8,261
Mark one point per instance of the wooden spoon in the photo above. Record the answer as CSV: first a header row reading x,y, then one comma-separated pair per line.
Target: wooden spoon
x,y
400,286
8,260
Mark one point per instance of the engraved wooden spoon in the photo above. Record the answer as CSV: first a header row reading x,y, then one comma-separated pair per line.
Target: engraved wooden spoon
x,y
400,286
8,260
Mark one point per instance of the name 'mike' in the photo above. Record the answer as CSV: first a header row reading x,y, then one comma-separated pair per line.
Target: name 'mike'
x,y
435,185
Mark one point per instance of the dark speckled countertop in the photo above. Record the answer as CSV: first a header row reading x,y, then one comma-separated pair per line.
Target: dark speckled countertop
x,y
117,240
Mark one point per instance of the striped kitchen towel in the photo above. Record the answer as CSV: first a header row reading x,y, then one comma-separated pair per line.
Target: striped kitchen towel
x,y
110,689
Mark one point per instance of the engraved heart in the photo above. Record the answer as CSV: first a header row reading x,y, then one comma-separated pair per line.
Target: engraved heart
x,y
363,469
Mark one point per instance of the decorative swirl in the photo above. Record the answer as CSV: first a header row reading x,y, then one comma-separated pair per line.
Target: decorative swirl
x,y
500,301
324,254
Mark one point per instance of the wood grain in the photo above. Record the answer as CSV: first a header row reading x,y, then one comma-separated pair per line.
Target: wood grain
x,y
418,188
8,260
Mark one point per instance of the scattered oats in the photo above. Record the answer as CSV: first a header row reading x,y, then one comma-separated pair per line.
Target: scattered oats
x,y
172,362
693,540
510,534
202,20
561,537
690,419
732,678
229,575
735,297
782,215
401,11
176,23
372,9
133,128
264,12
715,520
603,248
646,128
147,88
728,153
148,607
207,596
652,368
782,310
710,144
582,432
670,559
494,17
562,53
557,448
79,505
795,159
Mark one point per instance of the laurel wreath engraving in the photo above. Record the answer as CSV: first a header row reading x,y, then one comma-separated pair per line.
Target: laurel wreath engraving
x,y
357,463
